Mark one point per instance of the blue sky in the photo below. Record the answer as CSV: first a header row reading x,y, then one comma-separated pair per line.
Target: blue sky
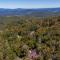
x,y
29,3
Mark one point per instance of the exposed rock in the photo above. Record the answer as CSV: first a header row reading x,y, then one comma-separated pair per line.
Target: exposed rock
x,y
17,58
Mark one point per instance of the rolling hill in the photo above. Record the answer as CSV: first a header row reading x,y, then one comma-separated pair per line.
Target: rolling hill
x,y
31,12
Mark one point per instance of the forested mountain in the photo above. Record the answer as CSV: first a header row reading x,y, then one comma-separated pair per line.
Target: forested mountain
x,y
30,38
32,12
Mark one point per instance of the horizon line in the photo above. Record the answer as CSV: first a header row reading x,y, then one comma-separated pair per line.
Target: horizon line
x,y
30,8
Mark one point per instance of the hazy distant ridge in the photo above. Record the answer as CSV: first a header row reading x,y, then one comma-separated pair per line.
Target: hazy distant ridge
x,y
32,12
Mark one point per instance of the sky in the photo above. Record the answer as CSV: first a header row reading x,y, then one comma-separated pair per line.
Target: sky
x,y
29,3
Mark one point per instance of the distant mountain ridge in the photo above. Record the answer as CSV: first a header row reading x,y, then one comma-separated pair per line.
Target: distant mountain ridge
x,y
30,12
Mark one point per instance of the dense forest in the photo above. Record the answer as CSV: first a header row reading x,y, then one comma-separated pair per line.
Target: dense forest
x,y
29,38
